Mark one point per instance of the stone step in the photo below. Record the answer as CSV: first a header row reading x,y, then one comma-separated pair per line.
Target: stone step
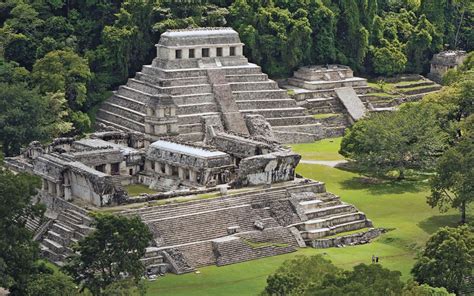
x,y
128,103
306,128
243,70
416,84
112,124
121,120
271,94
191,128
133,94
334,131
173,74
276,112
296,120
262,104
193,118
322,232
286,137
247,78
62,230
193,99
152,260
421,90
332,220
319,213
170,82
143,86
123,111
196,108
53,246
253,86
52,256
192,137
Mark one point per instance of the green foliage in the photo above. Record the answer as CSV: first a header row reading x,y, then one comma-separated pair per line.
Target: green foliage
x,y
27,116
447,259
410,138
452,185
318,276
18,251
295,276
114,248
389,60
363,280
412,288
55,284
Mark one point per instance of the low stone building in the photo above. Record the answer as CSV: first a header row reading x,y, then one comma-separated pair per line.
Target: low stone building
x,y
186,165
444,61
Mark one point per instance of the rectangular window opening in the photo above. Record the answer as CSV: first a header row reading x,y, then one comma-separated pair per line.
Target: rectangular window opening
x,y
179,54
232,51
219,51
205,52
192,55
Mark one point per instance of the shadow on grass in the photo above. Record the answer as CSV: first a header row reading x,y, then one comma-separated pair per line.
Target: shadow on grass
x,y
377,186
433,223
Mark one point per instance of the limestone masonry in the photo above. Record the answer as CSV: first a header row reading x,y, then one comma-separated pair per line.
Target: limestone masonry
x,y
204,124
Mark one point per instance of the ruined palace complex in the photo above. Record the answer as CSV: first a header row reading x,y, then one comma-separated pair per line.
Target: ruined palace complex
x,y
203,124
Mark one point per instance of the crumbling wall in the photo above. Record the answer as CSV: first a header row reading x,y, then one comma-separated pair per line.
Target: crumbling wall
x,y
259,127
269,168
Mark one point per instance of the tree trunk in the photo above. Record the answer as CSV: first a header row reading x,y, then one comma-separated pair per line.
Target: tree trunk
x,y
459,28
463,212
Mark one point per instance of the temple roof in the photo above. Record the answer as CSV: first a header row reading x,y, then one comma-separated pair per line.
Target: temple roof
x,y
187,150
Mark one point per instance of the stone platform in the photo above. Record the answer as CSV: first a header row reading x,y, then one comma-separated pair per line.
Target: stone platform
x,y
218,231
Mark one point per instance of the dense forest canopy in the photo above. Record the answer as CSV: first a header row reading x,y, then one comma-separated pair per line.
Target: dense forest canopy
x,y
71,53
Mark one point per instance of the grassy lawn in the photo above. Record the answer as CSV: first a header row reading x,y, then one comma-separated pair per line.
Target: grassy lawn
x,y
137,189
397,206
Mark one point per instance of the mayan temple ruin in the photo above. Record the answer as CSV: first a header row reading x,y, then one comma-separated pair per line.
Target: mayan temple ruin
x,y
202,124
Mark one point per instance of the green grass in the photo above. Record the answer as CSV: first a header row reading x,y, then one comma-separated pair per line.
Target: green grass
x,y
320,150
137,189
400,206
324,115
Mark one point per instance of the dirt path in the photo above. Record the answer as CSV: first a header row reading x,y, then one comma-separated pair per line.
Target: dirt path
x,y
329,163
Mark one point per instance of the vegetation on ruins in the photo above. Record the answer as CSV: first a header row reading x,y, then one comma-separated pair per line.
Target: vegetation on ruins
x,y
447,259
73,53
318,276
109,254
18,251
21,271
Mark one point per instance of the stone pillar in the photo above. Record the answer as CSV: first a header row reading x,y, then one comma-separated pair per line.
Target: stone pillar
x,y
158,167
192,176
168,169
181,173
59,191
239,50
226,51
44,184
198,52
212,52
108,169
148,165
52,188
